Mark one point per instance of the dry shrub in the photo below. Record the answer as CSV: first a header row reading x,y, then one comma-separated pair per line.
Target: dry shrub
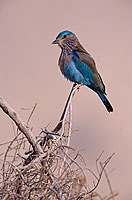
x,y
58,172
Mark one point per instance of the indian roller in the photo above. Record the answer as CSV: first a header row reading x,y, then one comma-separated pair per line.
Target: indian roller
x,y
78,66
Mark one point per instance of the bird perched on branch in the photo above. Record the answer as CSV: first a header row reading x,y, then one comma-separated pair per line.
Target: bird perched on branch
x,y
77,65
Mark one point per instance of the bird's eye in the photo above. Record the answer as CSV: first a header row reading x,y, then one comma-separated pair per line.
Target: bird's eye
x,y
64,36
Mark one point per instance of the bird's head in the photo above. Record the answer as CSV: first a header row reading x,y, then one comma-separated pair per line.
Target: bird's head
x,y
66,39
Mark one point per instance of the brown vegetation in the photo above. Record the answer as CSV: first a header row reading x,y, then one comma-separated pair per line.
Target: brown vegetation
x,y
46,167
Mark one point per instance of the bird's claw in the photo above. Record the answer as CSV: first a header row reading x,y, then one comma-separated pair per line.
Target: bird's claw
x,y
77,86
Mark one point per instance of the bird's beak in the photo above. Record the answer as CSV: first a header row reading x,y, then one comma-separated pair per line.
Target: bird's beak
x,y
55,42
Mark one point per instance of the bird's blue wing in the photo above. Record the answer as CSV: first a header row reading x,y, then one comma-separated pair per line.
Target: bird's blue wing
x,y
77,71
82,67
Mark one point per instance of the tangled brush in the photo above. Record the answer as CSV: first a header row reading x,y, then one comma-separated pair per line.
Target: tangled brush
x,y
46,167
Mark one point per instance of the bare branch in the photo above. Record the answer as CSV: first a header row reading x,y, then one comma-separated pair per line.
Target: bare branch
x,y
63,116
20,124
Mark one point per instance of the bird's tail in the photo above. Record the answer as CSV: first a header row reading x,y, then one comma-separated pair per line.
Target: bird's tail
x,y
105,101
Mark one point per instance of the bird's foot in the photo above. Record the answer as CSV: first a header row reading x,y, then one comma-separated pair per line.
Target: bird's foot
x,y
77,86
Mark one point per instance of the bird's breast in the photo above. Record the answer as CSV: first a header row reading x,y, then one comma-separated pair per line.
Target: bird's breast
x,y
63,60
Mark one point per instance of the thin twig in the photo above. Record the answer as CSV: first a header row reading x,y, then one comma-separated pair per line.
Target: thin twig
x,y
108,181
31,113
100,175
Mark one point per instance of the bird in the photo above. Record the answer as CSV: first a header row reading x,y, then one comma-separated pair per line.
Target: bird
x,y
78,66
